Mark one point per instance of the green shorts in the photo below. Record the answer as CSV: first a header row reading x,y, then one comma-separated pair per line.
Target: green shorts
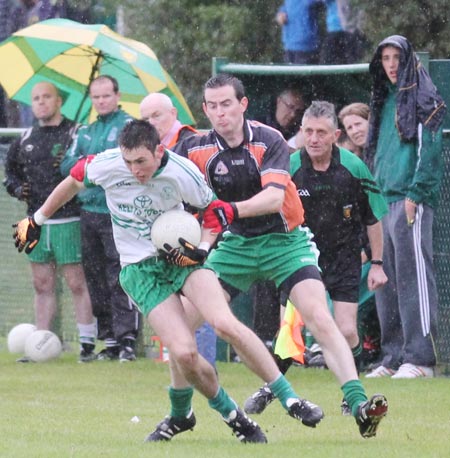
x,y
59,243
240,261
152,281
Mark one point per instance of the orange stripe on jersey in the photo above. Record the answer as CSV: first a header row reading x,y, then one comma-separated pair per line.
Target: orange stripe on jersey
x,y
201,155
276,177
292,207
257,150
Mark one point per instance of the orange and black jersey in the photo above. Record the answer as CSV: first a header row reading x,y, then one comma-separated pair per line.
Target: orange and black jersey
x,y
237,174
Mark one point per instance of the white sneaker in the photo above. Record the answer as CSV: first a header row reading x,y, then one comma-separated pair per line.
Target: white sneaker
x,y
381,371
409,370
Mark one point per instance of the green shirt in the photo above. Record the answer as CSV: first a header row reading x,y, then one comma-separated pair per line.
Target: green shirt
x,y
99,136
407,169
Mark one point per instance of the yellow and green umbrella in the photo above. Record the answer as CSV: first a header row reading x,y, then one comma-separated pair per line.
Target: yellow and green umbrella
x,y
70,55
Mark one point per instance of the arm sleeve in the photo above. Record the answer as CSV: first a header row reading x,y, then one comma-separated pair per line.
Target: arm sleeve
x,y
180,148
429,167
372,203
275,164
14,176
78,171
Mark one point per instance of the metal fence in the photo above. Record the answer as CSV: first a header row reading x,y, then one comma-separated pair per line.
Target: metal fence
x,y
442,260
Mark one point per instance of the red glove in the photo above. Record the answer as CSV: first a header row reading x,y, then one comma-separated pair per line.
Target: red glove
x,y
219,214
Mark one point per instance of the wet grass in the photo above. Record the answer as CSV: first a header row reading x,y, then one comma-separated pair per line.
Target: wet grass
x,y
66,409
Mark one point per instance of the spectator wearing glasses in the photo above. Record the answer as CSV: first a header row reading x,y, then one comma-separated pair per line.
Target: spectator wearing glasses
x,y
286,112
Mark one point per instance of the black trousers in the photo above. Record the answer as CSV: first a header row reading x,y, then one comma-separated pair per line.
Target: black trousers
x,y
117,317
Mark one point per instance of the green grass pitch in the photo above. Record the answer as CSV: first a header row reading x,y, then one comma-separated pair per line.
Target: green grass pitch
x,y
66,409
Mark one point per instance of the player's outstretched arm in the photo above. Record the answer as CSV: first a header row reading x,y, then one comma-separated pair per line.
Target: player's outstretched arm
x,y
65,191
27,231
219,214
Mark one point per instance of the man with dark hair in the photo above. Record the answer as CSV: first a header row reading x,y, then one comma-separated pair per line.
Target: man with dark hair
x,y
143,180
286,112
247,166
158,109
405,151
117,317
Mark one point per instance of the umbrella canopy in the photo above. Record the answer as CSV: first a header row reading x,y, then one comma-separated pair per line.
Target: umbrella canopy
x,y
70,55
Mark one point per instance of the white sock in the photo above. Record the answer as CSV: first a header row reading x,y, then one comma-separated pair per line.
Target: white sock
x,y
87,332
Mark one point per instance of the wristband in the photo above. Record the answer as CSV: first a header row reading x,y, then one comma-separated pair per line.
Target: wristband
x,y
235,210
40,218
204,246
376,262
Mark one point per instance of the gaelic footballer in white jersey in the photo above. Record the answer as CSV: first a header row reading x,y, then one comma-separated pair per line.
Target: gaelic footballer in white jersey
x,y
135,206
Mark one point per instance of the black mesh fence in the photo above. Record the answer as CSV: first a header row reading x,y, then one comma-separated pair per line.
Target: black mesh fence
x,y
442,259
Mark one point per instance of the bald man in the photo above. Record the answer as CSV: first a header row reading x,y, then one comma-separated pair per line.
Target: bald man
x,y
32,171
158,109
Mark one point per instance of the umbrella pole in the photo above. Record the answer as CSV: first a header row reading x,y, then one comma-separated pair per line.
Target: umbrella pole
x,y
94,70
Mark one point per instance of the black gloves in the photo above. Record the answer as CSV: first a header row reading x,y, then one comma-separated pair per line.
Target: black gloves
x,y
191,255
21,192
26,234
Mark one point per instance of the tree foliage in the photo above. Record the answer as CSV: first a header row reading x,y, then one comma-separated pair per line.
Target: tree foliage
x,y
185,35
426,23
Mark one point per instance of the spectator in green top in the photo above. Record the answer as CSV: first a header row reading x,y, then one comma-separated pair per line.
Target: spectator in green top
x,y
405,152
117,317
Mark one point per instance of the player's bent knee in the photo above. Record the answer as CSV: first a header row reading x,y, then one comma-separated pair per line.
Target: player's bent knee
x,y
232,331
349,332
185,356
322,325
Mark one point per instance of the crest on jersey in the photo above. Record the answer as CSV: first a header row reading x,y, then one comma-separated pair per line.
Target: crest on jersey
x,y
112,136
221,169
167,192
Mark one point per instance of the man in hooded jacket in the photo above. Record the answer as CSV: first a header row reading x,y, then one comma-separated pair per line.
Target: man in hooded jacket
x,y
404,150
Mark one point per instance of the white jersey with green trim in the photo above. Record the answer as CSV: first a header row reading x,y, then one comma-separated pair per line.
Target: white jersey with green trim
x,y
135,206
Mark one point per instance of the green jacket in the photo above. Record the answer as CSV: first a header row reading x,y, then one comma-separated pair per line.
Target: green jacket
x,y
99,136
401,169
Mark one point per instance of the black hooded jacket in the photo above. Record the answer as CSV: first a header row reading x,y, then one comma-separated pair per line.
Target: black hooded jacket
x,y
417,99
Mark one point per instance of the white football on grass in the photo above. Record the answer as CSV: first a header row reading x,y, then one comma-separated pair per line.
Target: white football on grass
x,y
42,346
18,336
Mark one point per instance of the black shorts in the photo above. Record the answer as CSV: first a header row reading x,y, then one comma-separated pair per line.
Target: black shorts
x,y
342,276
